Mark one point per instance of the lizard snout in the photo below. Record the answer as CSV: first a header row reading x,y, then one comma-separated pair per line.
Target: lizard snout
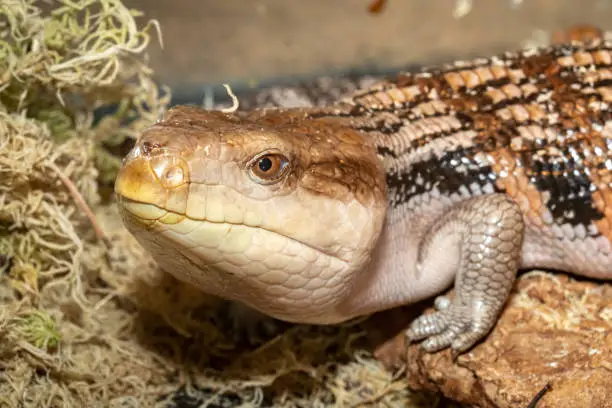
x,y
159,180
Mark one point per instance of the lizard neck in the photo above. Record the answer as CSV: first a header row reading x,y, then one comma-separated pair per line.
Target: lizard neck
x,y
393,277
430,163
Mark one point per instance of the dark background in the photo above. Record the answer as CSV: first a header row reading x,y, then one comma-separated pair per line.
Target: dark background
x,y
260,42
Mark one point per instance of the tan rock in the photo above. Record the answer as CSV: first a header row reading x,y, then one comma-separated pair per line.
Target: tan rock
x,y
555,330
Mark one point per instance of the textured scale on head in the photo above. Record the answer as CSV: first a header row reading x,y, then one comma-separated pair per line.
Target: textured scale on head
x,y
263,207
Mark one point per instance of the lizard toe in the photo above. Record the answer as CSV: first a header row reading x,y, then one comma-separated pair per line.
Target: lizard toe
x,y
442,302
442,340
426,326
465,341
454,326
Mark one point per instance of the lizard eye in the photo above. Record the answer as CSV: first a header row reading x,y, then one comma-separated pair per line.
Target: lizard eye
x,y
268,168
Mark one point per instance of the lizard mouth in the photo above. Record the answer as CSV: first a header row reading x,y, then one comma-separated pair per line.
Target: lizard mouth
x,y
143,197
141,212
152,217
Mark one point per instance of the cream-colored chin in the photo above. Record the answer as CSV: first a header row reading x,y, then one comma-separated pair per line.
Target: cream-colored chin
x,y
278,275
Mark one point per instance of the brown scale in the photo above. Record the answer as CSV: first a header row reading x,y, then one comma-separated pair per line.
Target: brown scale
x,y
572,105
553,88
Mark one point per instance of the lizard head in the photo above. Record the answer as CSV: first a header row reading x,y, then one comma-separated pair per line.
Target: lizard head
x,y
270,208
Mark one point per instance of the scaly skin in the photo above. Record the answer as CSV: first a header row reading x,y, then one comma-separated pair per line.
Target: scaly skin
x,y
466,173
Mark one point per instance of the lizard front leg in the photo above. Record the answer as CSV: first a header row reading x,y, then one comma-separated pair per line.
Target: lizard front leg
x,y
488,231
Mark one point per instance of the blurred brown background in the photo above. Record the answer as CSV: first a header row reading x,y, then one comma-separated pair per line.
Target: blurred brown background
x,y
242,41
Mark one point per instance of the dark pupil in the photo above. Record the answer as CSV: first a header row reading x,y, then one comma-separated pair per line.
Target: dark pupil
x,y
265,164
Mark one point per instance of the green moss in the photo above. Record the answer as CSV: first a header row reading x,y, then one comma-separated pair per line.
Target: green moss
x,y
39,329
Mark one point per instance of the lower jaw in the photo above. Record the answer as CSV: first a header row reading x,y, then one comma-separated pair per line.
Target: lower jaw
x,y
140,218
142,212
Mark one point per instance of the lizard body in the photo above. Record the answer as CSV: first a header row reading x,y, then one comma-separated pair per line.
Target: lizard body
x,y
463,173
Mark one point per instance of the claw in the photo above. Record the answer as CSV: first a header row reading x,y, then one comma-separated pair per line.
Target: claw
x,y
455,354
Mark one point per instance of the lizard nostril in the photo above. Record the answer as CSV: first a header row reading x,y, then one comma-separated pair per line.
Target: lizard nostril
x,y
171,172
173,176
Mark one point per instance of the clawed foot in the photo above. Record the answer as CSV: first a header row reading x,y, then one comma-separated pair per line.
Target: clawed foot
x,y
453,324
488,231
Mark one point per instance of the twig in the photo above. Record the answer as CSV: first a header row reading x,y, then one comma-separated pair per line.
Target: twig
x,y
79,200
539,396
235,102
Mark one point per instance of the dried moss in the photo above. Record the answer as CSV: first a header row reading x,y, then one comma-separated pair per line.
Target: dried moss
x,y
86,318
